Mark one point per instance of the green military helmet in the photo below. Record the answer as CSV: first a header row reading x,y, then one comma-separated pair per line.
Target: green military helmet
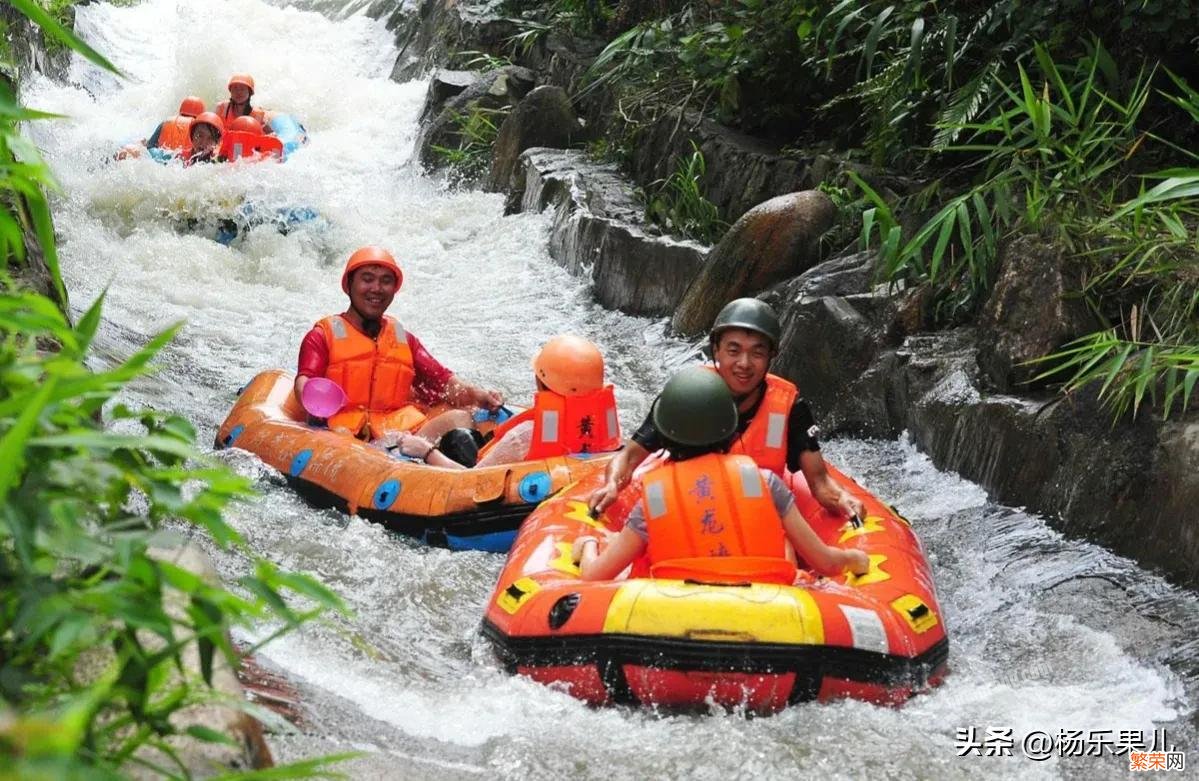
x,y
752,314
696,409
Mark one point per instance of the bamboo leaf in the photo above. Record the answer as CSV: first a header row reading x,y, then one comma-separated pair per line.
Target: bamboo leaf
x,y
876,30
12,445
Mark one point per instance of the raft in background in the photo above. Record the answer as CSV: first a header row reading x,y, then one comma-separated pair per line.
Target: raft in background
x,y
460,509
685,644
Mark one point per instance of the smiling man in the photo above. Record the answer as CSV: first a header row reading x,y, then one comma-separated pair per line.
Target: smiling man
x,y
388,376
774,426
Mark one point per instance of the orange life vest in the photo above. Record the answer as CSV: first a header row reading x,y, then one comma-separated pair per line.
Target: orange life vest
x,y
712,518
175,134
567,424
765,439
237,144
376,374
227,113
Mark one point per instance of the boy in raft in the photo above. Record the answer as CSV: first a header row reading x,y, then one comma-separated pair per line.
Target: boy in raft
x,y
205,132
385,371
706,514
774,425
573,410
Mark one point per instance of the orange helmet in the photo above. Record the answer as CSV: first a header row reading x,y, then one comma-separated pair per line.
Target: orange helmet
x,y
191,106
244,79
370,256
570,365
210,119
246,124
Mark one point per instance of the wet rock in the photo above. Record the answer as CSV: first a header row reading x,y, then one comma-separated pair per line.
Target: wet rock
x,y
598,231
742,171
774,240
1028,314
544,118
495,92
428,32
443,85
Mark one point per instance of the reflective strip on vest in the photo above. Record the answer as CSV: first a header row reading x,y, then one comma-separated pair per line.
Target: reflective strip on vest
x,y
549,426
237,150
775,426
339,328
655,499
751,481
612,424
401,334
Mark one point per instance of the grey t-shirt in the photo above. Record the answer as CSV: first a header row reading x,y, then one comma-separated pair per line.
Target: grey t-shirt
x,y
780,493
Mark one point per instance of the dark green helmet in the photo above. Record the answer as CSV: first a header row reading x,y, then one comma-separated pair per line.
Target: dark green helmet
x,y
751,314
696,409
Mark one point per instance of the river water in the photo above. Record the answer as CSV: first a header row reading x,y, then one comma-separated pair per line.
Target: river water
x,y
1047,634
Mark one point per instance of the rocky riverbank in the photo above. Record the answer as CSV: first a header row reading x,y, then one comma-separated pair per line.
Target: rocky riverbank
x,y
863,354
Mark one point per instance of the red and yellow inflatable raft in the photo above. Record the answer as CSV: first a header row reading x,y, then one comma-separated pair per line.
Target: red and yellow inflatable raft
x,y
681,643
469,509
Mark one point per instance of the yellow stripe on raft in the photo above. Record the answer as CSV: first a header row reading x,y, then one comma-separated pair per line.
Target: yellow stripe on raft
x,y
760,612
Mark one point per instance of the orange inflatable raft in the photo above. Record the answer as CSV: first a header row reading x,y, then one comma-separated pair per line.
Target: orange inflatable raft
x,y
468,509
685,644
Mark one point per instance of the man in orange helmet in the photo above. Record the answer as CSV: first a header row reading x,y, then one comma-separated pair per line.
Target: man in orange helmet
x,y
241,89
387,374
573,410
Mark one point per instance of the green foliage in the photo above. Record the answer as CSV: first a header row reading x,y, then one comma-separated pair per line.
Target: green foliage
x,y
94,627
476,60
679,205
579,16
477,128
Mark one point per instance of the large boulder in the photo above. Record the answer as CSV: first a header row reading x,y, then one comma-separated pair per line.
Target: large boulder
x,y
544,118
444,85
771,242
495,92
1030,312
598,231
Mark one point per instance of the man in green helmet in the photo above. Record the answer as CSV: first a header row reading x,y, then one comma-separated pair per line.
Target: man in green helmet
x,y
775,426
709,515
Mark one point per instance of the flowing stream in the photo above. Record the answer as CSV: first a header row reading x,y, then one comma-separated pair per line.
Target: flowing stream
x,y
1046,633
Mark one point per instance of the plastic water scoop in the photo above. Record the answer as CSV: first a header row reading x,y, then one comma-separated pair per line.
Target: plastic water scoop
x,y
322,397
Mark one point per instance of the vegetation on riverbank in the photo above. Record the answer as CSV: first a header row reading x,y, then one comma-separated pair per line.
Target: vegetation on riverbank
x,y
94,628
1065,119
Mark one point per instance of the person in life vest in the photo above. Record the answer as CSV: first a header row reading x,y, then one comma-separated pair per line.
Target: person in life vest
x,y
709,515
573,410
244,138
205,133
387,374
174,134
241,89
775,425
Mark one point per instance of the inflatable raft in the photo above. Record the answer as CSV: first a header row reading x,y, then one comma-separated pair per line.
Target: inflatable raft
x,y
468,509
685,644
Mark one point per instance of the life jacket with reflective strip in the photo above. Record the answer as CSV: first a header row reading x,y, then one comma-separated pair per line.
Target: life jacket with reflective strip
x,y
567,424
227,112
712,518
236,144
765,438
376,374
176,134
